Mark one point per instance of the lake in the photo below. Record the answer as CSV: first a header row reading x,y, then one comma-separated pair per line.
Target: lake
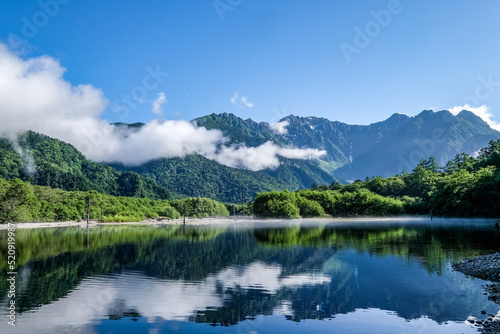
x,y
303,276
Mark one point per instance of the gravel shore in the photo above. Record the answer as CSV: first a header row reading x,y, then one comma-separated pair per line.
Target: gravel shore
x,y
164,221
486,267
223,220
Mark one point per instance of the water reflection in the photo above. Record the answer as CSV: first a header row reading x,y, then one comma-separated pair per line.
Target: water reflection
x,y
394,278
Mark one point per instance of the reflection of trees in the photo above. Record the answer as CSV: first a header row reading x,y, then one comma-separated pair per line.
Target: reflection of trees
x,y
435,245
175,253
55,277
290,236
239,306
42,243
60,261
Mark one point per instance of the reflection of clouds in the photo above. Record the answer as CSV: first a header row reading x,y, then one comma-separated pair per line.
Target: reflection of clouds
x,y
256,275
382,321
361,321
154,298
305,279
284,308
265,277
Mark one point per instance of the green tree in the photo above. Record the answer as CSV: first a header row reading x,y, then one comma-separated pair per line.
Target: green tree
x,y
277,204
18,202
309,208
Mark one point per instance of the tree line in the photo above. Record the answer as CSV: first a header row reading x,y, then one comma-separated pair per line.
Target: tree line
x,y
466,186
21,201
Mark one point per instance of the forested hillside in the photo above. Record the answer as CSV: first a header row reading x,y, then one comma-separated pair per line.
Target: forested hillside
x,y
42,160
194,175
465,187
353,152
45,161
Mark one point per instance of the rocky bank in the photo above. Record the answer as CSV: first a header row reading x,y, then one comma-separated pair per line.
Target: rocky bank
x,y
486,267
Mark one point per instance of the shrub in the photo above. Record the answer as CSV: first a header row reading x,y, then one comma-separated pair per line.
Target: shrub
x,y
282,209
122,218
170,212
364,202
327,199
277,204
199,207
309,208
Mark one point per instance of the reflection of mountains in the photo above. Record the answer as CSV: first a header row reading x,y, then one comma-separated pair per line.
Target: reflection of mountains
x,y
302,273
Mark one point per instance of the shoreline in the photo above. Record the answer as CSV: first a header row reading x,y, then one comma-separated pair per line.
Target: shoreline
x,y
233,220
146,222
485,267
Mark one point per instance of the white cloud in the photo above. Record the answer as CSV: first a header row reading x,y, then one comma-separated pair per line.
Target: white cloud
x,y
306,153
160,100
159,139
482,111
234,98
261,157
244,100
35,96
280,127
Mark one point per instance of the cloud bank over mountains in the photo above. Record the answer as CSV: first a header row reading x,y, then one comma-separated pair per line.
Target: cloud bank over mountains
x,y
35,96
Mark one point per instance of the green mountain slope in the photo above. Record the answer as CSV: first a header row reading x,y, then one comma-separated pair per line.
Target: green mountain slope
x,y
358,151
353,152
60,165
239,130
301,174
194,175
296,173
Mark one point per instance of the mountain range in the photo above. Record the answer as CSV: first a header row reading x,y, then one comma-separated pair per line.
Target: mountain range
x,y
352,152
358,151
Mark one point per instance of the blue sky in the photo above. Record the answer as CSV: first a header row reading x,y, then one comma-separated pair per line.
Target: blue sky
x,y
282,57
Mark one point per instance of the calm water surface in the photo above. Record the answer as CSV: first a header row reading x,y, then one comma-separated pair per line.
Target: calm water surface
x,y
389,276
